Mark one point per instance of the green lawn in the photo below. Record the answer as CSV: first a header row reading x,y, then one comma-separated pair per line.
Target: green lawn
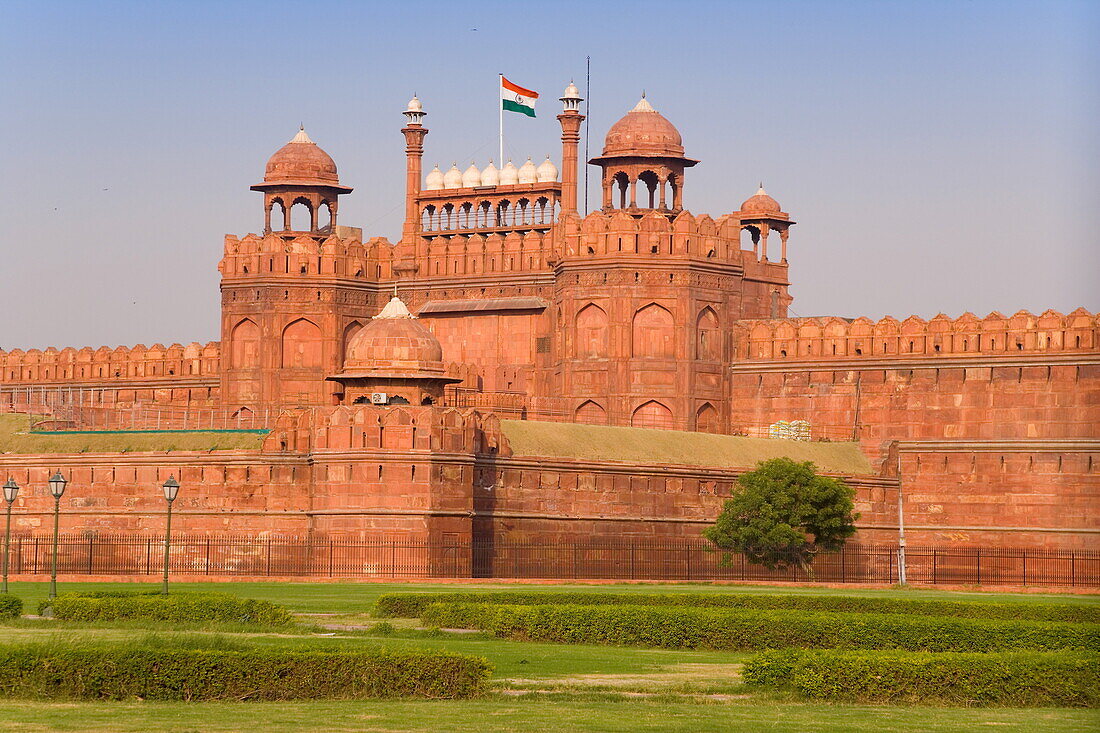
x,y
535,686
526,715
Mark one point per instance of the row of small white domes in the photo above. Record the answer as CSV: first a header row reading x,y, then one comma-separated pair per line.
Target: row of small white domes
x,y
509,175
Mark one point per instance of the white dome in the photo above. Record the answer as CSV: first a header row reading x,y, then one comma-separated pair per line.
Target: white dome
x,y
490,176
528,172
571,92
547,171
434,181
452,178
415,105
509,176
471,177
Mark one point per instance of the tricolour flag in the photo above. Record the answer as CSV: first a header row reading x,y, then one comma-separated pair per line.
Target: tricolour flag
x,y
515,98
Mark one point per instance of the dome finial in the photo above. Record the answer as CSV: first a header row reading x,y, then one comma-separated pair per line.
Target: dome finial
x,y
301,137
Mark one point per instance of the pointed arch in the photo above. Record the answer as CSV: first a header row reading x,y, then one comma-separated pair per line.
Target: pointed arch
x,y
653,333
708,337
707,419
591,332
301,345
652,414
591,412
244,342
349,333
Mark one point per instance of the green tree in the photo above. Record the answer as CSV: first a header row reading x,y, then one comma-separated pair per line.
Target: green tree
x,y
784,514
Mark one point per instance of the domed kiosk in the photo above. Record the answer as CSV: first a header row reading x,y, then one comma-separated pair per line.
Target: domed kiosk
x,y
394,360
300,173
761,215
643,160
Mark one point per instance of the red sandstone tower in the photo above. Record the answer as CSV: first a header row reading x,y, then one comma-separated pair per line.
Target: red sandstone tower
x,y
292,298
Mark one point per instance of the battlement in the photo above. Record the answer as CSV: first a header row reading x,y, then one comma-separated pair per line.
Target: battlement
x,y
122,363
255,255
830,337
618,233
367,428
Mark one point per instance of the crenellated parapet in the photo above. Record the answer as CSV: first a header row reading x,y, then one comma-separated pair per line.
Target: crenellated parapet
x,y
408,428
831,337
345,256
85,366
618,233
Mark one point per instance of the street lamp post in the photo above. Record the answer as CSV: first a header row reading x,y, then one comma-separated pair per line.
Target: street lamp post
x,y
171,488
57,489
11,490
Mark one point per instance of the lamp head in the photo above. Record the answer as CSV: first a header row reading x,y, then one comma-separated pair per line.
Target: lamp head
x,y
11,490
57,485
171,488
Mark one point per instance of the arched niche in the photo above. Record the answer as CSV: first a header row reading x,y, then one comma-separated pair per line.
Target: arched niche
x,y
708,338
707,419
591,413
244,342
653,333
591,332
652,414
301,345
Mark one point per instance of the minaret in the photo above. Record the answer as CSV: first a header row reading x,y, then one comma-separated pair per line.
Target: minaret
x,y
570,119
414,133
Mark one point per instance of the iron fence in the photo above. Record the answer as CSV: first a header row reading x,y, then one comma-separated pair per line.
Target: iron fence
x,y
317,557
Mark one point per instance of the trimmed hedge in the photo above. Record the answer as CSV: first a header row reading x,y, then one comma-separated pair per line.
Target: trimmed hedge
x,y
411,605
709,628
105,673
174,607
10,606
1019,679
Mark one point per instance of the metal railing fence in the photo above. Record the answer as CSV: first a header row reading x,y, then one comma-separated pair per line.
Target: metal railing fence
x,y
327,557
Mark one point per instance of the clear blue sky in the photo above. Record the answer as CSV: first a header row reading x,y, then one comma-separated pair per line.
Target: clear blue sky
x,y
938,156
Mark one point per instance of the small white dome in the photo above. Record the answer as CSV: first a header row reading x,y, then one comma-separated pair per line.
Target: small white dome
x,y
490,176
434,181
301,137
643,105
547,171
528,173
471,177
415,105
453,177
509,176
571,92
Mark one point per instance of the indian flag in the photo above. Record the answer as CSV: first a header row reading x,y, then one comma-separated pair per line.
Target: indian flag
x,y
515,98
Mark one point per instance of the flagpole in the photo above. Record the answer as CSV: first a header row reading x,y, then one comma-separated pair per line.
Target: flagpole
x,y
588,114
500,113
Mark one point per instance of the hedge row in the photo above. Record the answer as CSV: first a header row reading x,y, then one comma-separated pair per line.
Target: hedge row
x,y
709,628
105,673
411,605
10,606
174,607
1021,679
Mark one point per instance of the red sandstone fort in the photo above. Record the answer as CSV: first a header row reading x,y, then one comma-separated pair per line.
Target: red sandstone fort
x,y
512,370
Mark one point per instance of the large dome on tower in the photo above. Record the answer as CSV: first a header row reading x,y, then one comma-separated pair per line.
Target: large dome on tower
x,y
395,343
301,161
644,132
